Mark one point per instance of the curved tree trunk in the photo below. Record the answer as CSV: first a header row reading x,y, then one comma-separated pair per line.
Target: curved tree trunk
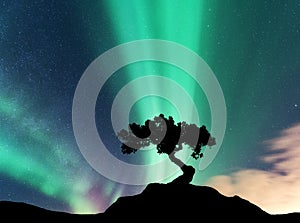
x,y
188,171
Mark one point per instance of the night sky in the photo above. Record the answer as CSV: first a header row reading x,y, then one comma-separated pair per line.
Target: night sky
x,y
252,48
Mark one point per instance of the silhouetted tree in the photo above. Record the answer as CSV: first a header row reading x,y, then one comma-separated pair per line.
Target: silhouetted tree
x,y
168,138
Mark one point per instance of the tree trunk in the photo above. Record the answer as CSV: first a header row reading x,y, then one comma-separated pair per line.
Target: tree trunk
x,y
188,171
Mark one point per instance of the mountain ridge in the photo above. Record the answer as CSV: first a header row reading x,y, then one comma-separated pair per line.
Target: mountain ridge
x,y
171,201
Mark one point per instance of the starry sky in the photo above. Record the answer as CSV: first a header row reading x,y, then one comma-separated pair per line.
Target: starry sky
x,y
46,47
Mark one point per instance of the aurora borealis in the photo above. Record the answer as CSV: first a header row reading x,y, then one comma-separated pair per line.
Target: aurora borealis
x,y
252,47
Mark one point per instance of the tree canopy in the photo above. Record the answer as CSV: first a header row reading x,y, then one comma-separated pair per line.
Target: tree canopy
x,y
167,135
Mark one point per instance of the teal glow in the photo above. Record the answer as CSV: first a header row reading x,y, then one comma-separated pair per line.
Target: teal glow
x,y
251,46
176,21
39,160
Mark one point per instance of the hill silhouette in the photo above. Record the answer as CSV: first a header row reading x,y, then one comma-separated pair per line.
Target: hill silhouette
x,y
157,202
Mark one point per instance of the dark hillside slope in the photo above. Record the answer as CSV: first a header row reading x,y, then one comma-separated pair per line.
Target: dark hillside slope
x,y
158,202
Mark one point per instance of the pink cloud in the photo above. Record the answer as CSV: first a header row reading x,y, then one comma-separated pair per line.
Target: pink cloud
x,y
277,191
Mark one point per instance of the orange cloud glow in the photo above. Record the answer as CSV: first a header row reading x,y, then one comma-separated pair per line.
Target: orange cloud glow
x,y
276,191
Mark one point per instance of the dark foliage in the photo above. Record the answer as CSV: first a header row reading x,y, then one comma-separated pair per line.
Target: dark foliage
x,y
167,135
